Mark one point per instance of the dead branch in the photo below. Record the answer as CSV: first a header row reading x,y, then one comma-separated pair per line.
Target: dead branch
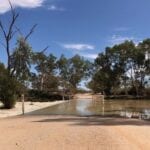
x,y
44,49
9,34
30,33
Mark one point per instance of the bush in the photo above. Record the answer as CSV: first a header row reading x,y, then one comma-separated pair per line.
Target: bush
x,y
9,101
147,92
8,89
43,96
8,92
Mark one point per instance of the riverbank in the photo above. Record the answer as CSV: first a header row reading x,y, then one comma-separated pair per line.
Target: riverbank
x,y
127,97
29,107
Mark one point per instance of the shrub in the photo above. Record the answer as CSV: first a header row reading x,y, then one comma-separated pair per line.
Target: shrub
x,y
8,92
9,101
8,89
43,96
147,92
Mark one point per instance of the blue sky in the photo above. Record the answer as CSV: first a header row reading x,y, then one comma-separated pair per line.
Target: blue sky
x,y
82,27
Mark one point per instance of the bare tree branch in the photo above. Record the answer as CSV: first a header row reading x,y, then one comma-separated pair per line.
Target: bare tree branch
x,y
9,34
31,31
11,7
44,49
10,31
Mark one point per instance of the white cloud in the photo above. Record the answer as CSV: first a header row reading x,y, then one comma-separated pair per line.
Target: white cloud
x,y
78,46
55,8
117,39
80,49
91,56
4,4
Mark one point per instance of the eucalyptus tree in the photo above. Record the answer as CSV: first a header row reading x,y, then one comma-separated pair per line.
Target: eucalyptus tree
x,y
21,61
123,66
78,70
143,63
63,70
46,69
111,68
104,77
51,79
40,61
136,65
63,66
73,70
122,62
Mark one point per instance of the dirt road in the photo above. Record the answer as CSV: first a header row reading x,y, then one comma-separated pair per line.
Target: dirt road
x,y
73,133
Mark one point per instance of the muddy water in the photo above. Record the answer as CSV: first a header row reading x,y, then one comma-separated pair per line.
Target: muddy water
x,y
88,107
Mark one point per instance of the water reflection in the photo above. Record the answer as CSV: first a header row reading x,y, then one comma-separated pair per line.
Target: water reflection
x,y
82,107
86,107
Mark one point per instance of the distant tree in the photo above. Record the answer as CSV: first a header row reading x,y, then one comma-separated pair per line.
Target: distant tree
x,y
63,66
21,61
104,78
120,63
78,70
45,67
73,70
123,66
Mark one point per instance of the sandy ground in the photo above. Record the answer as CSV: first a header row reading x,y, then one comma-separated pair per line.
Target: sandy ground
x,y
73,133
83,96
88,96
28,108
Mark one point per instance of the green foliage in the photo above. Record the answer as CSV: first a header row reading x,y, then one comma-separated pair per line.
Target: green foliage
x,y
44,96
9,88
63,66
46,67
73,70
44,64
123,66
21,61
65,73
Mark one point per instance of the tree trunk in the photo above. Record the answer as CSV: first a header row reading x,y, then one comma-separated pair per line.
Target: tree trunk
x,y
42,82
22,99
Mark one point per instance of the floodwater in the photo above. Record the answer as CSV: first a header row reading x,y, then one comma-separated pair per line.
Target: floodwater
x,y
87,107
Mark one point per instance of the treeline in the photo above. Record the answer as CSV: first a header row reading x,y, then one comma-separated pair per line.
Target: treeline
x,y
123,69
40,76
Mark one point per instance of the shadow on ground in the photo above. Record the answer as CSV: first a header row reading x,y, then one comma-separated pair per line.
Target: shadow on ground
x,y
90,121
